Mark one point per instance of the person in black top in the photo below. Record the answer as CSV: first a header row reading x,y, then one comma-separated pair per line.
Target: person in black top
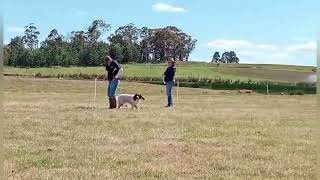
x,y
114,73
169,80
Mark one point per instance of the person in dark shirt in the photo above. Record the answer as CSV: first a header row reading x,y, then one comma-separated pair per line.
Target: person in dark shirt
x,y
169,80
114,73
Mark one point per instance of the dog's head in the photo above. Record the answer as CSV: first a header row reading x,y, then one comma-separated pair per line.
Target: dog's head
x,y
138,97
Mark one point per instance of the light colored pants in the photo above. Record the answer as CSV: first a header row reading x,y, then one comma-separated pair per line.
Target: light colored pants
x,y
112,87
169,89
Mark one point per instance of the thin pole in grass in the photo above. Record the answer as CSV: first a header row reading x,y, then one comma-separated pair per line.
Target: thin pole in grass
x,y
95,92
177,90
268,89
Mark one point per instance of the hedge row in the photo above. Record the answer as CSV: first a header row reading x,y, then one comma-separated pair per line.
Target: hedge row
x,y
258,86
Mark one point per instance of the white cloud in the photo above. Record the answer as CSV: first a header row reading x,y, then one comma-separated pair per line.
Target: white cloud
x,y
261,57
164,7
247,53
302,39
270,47
15,29
303,47
252,52
230,44
240,44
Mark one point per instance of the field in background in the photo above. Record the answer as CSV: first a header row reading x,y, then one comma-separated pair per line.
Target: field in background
x,y
243,72
53,133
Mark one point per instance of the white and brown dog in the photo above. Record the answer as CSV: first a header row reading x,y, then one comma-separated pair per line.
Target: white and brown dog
x,y
132,99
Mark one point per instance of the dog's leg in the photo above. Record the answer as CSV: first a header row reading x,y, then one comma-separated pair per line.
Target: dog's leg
x,y
135,106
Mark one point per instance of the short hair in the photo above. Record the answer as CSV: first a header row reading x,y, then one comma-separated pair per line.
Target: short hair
x,y
108,58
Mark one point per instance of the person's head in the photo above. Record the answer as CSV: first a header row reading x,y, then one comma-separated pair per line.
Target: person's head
x,y
108,60
171,62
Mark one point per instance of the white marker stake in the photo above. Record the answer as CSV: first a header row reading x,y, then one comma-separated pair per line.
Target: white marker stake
x,y
177,90
95,92
268,89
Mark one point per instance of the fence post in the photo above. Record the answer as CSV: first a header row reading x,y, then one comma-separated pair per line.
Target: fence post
x,y
95,92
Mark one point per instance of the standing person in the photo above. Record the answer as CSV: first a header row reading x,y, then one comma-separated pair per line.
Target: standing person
x,y
114,73
169,80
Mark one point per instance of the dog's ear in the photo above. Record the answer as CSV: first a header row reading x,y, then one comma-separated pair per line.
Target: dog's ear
x,y
135,97
141,97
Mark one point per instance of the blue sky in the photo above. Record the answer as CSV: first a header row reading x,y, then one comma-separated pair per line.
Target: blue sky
x,y
259,31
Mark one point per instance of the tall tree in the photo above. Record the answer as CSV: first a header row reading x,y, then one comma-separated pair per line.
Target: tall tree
x,y
31,36
6,54
116,52
15,52
225,57
128,38
145,44
126,34
54,35
229,57
168,42
78,41
96,55
54,48
216,57
233,57
95,30
86,47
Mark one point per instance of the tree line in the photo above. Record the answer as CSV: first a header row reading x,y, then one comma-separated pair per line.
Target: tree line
x,y
88,48
227,57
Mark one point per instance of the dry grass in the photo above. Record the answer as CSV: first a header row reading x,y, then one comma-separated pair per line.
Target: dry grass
x,y
53,133
284,75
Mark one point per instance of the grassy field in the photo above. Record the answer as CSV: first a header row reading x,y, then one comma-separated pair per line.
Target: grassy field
x,y
53,133
244,72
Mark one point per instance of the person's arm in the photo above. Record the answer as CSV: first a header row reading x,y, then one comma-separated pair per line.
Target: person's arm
x,y
116,69
174,75
107,73
119,74
164,76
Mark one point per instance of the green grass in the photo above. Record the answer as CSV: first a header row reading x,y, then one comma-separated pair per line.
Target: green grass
x,y
281,78
52,132
130,71
242,72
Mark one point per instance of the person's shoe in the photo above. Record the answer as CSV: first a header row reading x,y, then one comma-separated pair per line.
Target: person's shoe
x,y
113,103
169,105
110,103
